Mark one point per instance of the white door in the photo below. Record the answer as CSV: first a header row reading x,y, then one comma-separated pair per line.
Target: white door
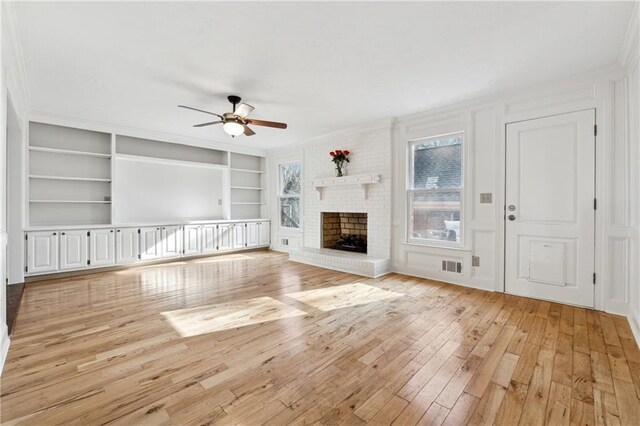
x,y
171,241
102,247
251,235
209,244
126,245
150,243
264,233
42,252
224,237
73,249
192,239
549,216
239,240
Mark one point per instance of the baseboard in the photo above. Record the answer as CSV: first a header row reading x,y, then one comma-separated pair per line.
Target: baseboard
x,y
635,327
4,345
419,273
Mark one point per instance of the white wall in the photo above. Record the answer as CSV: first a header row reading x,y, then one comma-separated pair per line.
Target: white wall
x,y
630,100
12,85
483,121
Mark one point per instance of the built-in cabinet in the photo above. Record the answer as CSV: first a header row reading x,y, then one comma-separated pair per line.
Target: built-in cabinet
x,y
127,245
102,247
77,249
73,249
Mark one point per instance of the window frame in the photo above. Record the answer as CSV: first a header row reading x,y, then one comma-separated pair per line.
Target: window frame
x,y
410,190
282,196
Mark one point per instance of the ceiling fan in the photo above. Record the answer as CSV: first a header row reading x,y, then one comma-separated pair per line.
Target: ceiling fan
x,y
236,123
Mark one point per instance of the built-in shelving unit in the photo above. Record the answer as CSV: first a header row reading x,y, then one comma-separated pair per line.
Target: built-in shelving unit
x,y
248,185
69,176
80,177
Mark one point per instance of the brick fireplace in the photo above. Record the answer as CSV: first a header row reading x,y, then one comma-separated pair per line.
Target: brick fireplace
x,y
344,231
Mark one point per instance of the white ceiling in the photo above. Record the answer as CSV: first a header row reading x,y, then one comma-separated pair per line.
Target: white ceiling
x,y
321,67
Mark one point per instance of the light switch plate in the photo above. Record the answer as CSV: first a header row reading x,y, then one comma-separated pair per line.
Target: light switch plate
x,y
486,198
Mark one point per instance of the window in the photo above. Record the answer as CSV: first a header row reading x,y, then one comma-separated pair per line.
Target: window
x,y
290,178
435,190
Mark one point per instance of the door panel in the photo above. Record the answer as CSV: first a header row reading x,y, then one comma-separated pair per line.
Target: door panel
x,y
549,216
265,233
224,237
209,244
42,252
239,238
251,235
192,239
171,241
150,243
102,247
127,245
73,249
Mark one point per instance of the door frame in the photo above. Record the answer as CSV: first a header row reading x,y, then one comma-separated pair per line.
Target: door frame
x,y
601,100
503,190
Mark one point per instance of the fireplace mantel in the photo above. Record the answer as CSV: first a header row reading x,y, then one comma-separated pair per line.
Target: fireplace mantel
x,y
362,181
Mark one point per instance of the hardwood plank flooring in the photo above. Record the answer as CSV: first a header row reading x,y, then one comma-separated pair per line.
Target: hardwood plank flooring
x,y
255,339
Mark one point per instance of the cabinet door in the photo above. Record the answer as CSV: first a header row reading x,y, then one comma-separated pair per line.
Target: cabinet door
x,y
73,249
42,252
150,243
127,245
102,247
192,239
224,237
209,243
239,240
171,241
251,234
264,233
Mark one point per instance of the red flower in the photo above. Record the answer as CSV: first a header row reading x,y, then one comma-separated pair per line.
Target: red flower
x,y
333,154
346,152
338,152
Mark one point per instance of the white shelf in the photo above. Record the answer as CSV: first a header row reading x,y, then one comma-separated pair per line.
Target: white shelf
x,y
238,203
68,151
246,170
70,201
68,178
256,188
363,181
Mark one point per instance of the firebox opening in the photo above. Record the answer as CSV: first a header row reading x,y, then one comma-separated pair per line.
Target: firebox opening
x,y
344,231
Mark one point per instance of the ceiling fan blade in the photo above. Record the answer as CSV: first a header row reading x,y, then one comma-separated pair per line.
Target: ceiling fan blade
x,y
200,110
243,110
208,124
248,131
265,123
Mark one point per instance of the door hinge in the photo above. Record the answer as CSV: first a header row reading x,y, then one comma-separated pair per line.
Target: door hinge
x,y
595,203
26,237
88,233
595,130
88,262
138,231
26,269
139,257
594,278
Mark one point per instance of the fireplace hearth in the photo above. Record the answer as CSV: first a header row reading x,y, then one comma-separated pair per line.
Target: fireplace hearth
x,y
345,231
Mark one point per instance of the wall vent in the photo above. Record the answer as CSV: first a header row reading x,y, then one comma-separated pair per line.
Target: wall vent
x,y
284,242
451,266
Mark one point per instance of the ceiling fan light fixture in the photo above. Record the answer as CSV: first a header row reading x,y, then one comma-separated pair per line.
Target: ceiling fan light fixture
x,y
233,128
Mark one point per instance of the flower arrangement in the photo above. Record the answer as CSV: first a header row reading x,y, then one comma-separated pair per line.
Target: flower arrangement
x,y
339,157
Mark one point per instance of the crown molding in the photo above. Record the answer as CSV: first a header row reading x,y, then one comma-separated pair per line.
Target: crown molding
x,y
631,46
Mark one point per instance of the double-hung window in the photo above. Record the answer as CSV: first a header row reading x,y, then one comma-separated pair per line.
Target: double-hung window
x,y
435,190
290,180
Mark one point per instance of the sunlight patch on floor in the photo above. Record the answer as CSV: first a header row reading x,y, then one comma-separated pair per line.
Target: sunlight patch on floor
x,y
343,296
225,316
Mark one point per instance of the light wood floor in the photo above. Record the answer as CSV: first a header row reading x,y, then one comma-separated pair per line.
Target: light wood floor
x,y
252,338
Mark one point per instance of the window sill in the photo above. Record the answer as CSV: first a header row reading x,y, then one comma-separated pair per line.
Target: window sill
x,y
435,246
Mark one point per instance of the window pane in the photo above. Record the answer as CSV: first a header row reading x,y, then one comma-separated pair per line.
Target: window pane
x,y
290,212
436,216
437,163
290,175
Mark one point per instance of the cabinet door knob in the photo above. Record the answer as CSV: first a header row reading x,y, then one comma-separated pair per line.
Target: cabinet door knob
x,y
112,230
118,230
62,233
55,233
